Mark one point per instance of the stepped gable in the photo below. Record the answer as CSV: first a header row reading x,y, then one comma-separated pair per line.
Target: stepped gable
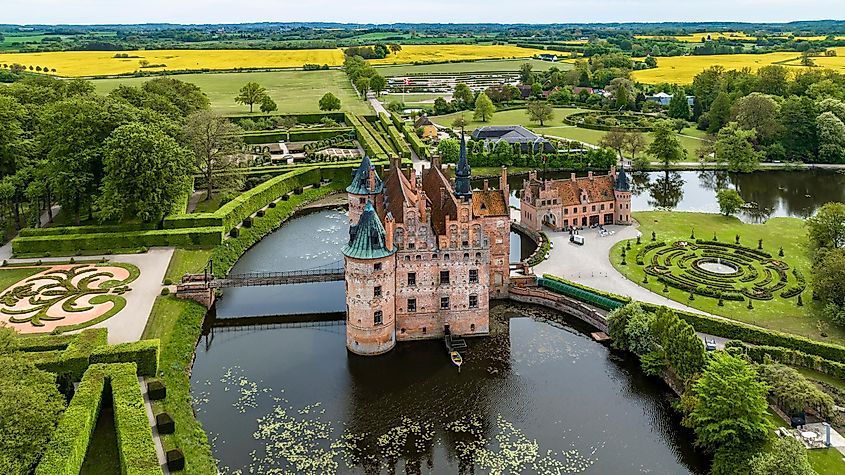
x,y
367,238
361,179
399,193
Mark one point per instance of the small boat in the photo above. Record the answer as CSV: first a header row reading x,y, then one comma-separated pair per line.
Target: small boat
x,y
457,359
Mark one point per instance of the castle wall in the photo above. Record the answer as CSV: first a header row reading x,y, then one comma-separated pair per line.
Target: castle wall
x,y
364,335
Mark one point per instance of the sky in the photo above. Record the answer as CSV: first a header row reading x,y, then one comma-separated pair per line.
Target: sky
x,y
414,11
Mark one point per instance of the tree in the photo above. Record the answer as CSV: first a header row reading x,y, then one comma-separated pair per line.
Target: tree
x,y
761,113
617,324
684,350
827,227
729,201
773,80
734,147
30,407
216,145
526,76
252,93
329,102
787,456
268,104
831,132
286,123
719,114
362,84
641,340
463,96
634,142
441,107
798,117
378,84
615,139
622,91
449,150
665,145
145,173
460,122
484,108
539,111
679,106
829,277
730,405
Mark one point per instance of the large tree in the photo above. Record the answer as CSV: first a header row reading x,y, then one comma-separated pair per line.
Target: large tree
x,y
217,146
463,96
787,456
798,119
665,146
539,111
252,93
827,227
684,350
720,113
761,113
363,86
829,276
378,84
831,132
679,106
449,150
729,201
146,172
329,102
734,147
730,408
615,139
484,108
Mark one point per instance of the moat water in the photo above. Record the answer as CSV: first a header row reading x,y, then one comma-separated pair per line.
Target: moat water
x,y
537,396
775,193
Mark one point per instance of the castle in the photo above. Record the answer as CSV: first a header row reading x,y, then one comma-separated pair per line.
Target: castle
x,y
576,202
424,255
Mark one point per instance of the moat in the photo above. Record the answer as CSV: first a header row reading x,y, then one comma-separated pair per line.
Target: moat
x,y
538,396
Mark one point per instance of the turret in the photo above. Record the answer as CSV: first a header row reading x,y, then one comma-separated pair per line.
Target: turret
x,y
370,268
622,197
463,190
366,187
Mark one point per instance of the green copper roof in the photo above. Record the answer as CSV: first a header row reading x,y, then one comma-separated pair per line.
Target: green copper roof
x,y
366,239
361,179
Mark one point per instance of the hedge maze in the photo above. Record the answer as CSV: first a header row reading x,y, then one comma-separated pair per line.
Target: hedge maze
x,y
724,271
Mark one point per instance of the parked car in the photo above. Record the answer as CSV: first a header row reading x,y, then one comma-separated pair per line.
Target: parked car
x,y
577,239
709,344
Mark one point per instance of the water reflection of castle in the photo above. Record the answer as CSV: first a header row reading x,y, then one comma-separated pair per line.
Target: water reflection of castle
x,y
424,255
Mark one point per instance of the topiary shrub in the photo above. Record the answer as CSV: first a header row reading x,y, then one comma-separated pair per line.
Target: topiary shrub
x,y
247,223
235,232
156,390
165,291
271,204
259,213
168,282
175,460
165,424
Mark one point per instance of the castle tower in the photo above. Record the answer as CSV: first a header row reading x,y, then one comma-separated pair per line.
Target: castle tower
x,y
366,187
463,190
622,196
370,285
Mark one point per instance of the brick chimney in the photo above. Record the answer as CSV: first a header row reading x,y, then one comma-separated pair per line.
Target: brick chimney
x,y
613,171
372,182
412,178
590,175
389,225
486,184
572,176
421,201
503,182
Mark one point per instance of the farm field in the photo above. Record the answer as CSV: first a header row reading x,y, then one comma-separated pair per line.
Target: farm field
x,y
293,91
103,63
682,69
690,140
699,37
480,66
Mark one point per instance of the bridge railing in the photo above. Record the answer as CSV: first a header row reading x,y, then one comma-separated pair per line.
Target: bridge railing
x,y
292,273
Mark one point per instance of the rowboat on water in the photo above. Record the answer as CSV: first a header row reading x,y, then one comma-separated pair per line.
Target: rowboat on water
x,y
456,358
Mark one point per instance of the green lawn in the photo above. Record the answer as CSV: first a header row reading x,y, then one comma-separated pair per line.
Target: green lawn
x,y
482,66
293,91
103,456
9,277
186,261
818,376
178,324
778,313
208,206
690,139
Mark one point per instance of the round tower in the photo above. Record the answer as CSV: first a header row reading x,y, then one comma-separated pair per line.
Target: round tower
x,y
366,187
370,274
622,197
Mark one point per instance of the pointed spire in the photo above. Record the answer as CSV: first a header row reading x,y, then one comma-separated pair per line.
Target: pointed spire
x,y
368,239
463,172
365,180
622,183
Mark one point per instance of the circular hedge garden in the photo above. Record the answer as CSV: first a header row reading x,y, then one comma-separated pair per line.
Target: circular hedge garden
x,y
720,270
600,120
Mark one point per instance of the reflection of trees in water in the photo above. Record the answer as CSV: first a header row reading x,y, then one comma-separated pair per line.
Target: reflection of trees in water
x,y
639,182
713,180
795,193
666,191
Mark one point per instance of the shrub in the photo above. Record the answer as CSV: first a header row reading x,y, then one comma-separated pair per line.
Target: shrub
x,y
234,232
208,236
165,291
144,354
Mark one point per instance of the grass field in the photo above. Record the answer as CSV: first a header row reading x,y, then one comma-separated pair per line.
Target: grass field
x,y
480,66
682,69
9,277
103,63
690,140
778,314
293,91
186,261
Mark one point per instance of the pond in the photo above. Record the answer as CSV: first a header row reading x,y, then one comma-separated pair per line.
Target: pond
x,y
537,396
769,193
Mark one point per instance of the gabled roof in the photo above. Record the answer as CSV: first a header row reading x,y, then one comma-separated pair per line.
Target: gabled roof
x,y
600,188
511,133
367,238
361,179
489,203
422,121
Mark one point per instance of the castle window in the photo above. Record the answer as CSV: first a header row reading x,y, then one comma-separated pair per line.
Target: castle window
x,y
402,331
377,317
466,256
473,276
407,258
423,330
472,327
465,243
594,208
412,279
377,266
565,210
412,305
419,257
377,291
583,209
362,200
434,256
445,257
411,245
473,301
602,207
444,277
444,303
478,255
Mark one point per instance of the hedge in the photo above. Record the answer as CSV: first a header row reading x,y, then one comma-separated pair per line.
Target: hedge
x,y
296,135
144,354
607,295
304,118
793,358
226,254
417,145
205,236
367,141
63,230
73,360
398,142
248,203
134,436
378,137
193,220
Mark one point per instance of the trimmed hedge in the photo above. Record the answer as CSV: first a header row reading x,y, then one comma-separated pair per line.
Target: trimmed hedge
x,y
608,295
144,354
367,141
794,358
74,359
193,220
304,118
96,229
207,236
134,436
296,135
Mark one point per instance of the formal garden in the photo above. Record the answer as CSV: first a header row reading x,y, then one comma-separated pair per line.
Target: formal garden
x,y
604,120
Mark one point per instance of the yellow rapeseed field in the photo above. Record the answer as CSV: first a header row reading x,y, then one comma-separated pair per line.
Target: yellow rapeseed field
x,y
682,69
436,53
104,63
698,37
